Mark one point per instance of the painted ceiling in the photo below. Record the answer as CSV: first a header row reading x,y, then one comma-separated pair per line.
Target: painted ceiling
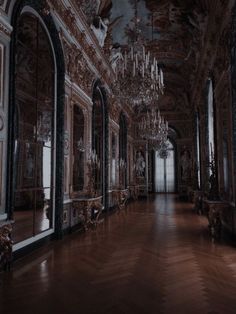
x,y
172,29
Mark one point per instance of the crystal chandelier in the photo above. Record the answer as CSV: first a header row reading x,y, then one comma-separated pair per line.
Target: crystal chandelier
x,y
140,81
138,75
154,129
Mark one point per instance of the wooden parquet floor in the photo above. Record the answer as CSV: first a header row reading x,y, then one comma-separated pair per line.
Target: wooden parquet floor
x,y
154,257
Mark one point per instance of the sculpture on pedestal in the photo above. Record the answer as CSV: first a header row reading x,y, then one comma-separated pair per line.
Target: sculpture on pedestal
x,y
140,165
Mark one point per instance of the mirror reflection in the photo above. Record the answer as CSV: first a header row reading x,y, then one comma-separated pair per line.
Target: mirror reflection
x,y
34,116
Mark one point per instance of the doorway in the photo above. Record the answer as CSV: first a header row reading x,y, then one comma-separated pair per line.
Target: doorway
x,y
165,170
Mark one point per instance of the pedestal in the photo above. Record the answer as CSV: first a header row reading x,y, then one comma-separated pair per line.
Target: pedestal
x,y
5,244
214,211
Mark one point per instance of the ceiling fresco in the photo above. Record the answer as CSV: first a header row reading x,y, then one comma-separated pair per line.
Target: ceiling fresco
x,y
172,29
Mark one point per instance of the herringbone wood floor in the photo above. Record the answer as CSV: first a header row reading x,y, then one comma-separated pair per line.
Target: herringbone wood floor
x,y
154,257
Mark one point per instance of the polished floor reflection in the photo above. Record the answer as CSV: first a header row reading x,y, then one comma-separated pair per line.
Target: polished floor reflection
x,y
29,223
154,257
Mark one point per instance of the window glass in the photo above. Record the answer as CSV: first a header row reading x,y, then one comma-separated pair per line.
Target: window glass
x,y
165,171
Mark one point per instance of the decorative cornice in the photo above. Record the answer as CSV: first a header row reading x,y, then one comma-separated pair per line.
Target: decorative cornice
x,y
76,66
83,35
80,93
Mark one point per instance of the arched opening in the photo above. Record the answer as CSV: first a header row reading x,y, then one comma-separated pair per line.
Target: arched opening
x,y
198,152
225,165
123,151
211,122
165,170
34,136
113,160
99,143
78,149
36,144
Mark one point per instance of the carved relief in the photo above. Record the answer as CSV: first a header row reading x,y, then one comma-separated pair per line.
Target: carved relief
x,y
77,67
89,7
114,111
66,143
69,18
100,28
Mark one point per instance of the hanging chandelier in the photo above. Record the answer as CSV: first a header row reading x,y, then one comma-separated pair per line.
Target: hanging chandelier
x,y
154,129
138,75
140,81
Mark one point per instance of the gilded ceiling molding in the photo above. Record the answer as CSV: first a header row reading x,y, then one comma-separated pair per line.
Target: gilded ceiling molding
x,y
69,18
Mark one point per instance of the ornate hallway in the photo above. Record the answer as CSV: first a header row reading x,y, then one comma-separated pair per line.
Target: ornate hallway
x,y
154,257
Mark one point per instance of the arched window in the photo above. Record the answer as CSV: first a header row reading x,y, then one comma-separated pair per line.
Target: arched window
x,y
78,149
211,137
198,150
123,151
165,170
34,135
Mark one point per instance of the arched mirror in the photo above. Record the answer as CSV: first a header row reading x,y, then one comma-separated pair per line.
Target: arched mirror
x,y
34,121
226,165
78,149
211,128
113,159
198,165
123,151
